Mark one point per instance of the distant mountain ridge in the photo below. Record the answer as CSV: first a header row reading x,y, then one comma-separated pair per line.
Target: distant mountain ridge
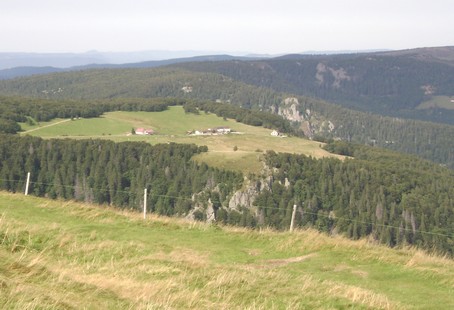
x,y
442,54
30,70
10,60
13,65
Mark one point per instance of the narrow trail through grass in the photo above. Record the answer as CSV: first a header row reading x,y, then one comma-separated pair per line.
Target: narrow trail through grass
x,y
46,126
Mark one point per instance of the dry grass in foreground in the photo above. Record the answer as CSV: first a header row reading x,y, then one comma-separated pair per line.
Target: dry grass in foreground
x,y
63,255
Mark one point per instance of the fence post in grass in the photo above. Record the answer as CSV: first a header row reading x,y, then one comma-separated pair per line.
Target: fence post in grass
x,y
293,218
144,203
27,184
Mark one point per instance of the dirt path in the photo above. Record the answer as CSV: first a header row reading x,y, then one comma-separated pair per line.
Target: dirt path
x,y
53,124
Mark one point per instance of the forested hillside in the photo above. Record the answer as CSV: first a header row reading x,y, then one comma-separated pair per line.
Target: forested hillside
x,y
425,139
395,199
105,172
388,84
140,83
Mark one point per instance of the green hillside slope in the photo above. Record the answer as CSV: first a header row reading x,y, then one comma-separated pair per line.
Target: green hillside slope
x,y
56,255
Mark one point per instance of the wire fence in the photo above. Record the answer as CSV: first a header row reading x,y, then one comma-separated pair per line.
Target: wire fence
x,y
304,211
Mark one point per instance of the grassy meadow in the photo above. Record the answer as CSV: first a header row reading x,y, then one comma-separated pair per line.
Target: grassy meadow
x,y
442,102
171,126
66,255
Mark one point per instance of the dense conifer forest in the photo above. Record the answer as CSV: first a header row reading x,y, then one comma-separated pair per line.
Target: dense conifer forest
x,y
427,140
397,200
111,173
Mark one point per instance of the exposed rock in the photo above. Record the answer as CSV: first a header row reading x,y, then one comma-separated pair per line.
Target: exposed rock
x,y
306,127
243,198
338,74
428,89
247,196
290,110
210,212
321,68
265,184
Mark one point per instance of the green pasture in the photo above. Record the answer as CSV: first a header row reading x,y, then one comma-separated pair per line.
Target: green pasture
x,y
66,255
441,102
172,126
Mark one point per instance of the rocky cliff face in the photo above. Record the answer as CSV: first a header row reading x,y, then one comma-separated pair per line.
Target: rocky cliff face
x,y
290,110
310,123
246,197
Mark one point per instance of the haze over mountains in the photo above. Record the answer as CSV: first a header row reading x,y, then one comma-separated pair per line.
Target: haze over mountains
x,y
67,60
14,65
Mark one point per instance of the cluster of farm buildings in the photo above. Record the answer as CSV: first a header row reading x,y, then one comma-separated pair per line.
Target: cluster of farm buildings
x,y
206,132
210,131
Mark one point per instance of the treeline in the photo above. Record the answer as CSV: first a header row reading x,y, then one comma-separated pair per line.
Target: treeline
x,y
245,116
392,198
140,83
16,109
105,172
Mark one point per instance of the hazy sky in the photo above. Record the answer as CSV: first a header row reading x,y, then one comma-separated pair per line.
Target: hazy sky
x,y
265,26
